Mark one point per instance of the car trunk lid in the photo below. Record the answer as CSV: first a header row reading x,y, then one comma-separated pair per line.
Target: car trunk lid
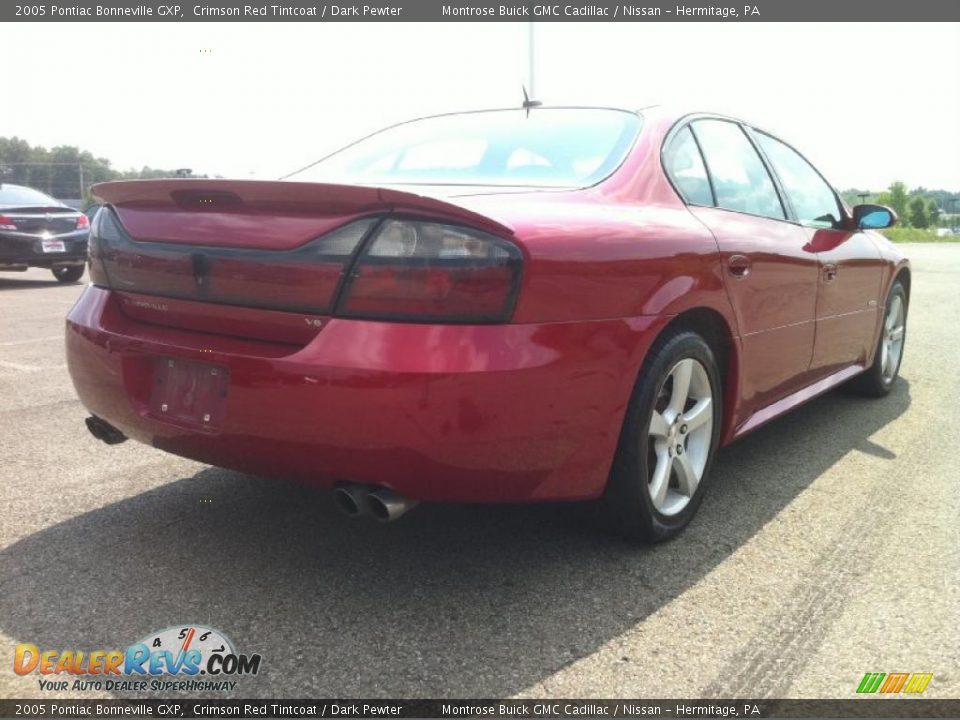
x,y
239,257
38,220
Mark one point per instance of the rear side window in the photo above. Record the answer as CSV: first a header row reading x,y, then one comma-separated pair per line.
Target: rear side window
x,y
740,179
684,166
813,201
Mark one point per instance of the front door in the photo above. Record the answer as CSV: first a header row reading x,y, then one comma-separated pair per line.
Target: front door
x,y
850,264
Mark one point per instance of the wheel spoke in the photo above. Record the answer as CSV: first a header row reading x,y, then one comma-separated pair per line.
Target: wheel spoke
x,y
893,312
698,414
686,476
884,356
659,427
660,481
681,386
896,333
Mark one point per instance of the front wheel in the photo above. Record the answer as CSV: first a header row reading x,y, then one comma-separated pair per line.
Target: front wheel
x,y
670,434
877,380
68,273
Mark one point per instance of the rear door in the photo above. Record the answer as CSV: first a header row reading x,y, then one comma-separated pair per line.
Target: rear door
x,y
770,274
850,264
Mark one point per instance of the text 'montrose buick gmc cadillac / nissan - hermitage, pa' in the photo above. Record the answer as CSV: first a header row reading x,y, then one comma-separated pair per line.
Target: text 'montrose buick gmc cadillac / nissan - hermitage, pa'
x,y
510,306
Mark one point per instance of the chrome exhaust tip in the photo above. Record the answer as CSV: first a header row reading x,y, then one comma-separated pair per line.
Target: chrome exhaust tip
x,y
104,431
386,505
351,500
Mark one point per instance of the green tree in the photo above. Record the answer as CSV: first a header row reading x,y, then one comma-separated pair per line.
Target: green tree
x,y
918,213
15,153
57,171
933,212
896,197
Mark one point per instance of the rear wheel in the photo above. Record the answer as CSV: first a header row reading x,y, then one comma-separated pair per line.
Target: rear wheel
x,y
669,437
877,380
68,273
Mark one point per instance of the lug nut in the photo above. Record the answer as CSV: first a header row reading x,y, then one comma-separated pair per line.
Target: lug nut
x,y
683,429
679,449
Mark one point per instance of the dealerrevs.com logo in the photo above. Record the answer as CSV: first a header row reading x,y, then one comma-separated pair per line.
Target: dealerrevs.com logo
x,y
185,658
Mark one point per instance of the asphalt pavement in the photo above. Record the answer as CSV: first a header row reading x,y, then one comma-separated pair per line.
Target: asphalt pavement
x,y
828,546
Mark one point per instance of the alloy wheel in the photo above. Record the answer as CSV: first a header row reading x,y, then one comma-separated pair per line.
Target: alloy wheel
x,y
891,344
680,435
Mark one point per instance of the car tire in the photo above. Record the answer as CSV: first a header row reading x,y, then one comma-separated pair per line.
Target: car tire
x,y
68,273
662,453
878,379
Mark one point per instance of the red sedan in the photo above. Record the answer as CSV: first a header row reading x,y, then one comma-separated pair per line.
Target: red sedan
x,y
512,305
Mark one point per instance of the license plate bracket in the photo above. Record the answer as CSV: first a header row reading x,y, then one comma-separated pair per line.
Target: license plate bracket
x,y
189,393
53,246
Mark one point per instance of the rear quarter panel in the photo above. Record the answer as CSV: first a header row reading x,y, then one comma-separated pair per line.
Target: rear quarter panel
x,y
591,259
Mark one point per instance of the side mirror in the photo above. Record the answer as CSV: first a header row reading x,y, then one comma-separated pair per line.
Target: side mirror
x,y
873,217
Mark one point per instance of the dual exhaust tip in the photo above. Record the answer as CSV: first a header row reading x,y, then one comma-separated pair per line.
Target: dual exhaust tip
x,y
104,431
354,500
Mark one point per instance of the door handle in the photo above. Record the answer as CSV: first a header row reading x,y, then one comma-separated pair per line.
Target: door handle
x,y
829,272
738,266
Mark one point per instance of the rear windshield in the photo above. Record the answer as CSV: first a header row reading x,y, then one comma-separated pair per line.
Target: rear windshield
x,y
555,147
16,195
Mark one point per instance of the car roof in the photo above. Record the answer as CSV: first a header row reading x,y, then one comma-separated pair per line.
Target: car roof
x,y
671,113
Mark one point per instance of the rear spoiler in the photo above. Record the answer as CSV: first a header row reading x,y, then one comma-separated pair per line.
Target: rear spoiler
x,y
52,209
274,197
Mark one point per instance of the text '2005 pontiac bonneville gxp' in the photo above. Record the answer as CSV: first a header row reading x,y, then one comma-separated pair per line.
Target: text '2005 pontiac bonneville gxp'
x,y
498,306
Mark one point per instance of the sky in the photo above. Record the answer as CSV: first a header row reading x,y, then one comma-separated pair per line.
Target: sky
x,y
867,103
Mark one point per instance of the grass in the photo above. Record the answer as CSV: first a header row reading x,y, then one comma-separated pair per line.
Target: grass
x,y
915,235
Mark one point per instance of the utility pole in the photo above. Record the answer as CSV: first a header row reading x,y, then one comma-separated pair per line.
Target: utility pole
x,y
80,172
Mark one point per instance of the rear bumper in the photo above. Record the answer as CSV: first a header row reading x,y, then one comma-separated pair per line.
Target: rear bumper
x,y
27,249
445,413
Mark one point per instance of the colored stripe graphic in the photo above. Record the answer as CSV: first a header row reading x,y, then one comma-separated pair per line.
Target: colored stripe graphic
x,y
894,683
914,683
918,682
870,682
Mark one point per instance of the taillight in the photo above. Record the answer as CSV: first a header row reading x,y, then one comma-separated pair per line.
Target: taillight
x,y
7,223
301,280
426,271
389,269
100,234
83,222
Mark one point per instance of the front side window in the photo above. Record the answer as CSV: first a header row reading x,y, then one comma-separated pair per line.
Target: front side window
x,y
684,166
740,179
813,201
548,147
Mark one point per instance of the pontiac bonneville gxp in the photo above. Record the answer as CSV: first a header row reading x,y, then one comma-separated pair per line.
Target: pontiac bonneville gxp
x,y
499,306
